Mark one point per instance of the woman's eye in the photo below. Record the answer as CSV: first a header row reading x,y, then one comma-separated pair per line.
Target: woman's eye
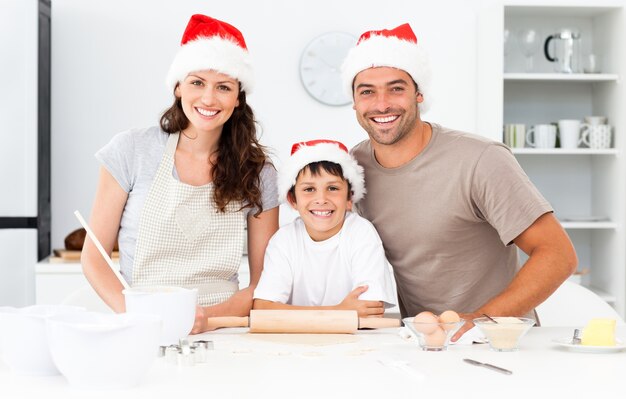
x,y
224,88
196,82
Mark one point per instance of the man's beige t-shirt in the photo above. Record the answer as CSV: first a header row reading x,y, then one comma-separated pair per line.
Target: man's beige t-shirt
x,y
447,219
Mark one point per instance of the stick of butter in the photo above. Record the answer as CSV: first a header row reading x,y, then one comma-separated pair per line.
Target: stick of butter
x,y
599,332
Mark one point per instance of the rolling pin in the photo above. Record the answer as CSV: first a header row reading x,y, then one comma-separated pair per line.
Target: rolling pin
x,y
303,321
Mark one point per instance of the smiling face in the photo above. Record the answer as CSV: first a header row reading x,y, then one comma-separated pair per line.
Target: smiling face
x,y
208,99
386,104
321,199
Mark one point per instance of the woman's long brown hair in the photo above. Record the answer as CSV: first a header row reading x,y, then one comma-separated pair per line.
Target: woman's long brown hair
x,y
240,159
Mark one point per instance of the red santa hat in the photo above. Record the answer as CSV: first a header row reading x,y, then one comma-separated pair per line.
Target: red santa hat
x,y
308,152
395,48
211,44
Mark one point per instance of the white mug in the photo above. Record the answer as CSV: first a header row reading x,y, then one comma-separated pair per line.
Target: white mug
x,y
569,133
597,136
595,120
543,136
515,135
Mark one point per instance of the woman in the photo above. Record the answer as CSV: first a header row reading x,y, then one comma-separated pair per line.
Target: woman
x,y
180,195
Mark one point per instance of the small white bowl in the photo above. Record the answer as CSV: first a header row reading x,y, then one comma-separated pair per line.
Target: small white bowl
x,y
23,338
104,351
175,305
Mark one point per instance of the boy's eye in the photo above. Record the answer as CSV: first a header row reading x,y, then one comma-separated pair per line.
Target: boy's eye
x,y
333,188
308,189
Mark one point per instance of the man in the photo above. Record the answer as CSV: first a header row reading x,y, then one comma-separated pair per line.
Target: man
x,y
448,205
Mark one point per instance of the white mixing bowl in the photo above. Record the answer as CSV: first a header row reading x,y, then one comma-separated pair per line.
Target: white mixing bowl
x,y
23,342
104,351
175,305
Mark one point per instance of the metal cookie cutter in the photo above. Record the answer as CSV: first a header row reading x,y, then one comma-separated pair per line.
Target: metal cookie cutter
x,y
201,349
169,352
186,354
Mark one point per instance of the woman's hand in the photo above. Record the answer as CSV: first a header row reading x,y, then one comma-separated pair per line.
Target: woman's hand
x,y
239,304
200,324
363,308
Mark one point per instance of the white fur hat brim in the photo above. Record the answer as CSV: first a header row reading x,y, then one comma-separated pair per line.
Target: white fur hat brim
x,y
212,53
384,51
352,171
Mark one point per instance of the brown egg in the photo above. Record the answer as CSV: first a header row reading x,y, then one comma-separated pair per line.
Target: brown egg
x,y
449,316
426,322
435,339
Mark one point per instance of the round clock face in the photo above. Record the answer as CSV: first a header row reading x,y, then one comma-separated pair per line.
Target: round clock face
x,y
320,67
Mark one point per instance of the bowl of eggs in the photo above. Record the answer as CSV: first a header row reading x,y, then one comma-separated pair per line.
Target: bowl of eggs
x,y
434,332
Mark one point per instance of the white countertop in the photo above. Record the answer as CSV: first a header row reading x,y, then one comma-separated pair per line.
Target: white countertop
x,y
241,367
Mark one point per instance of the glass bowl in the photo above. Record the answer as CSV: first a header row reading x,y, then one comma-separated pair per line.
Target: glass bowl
x,y
505,335
433,336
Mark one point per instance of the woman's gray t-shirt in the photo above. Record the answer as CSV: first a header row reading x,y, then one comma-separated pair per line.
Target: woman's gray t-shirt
x,y
132,157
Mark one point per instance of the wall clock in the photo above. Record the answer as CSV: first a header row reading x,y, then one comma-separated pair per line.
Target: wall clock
x,y
320,67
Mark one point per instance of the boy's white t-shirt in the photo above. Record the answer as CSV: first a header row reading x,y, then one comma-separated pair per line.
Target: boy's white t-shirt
x,y
302,272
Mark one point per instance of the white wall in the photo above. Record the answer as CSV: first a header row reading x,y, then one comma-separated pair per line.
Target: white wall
x,y
109,60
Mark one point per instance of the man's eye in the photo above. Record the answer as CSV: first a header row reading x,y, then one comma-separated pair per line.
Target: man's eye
x,y
397,88
366,92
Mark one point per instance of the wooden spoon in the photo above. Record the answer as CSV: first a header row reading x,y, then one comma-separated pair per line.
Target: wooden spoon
x,y
104,254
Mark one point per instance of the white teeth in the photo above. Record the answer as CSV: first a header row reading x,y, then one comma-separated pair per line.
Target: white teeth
x,y
206,113
322,213
386,119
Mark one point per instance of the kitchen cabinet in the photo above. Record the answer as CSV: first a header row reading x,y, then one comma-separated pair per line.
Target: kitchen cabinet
x,y
585,186
55,279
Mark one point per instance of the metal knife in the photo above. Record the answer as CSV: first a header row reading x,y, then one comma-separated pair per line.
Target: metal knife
x,y
489,366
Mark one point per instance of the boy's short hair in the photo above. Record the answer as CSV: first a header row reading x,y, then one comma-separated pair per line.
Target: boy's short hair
x,y
316,168
305,154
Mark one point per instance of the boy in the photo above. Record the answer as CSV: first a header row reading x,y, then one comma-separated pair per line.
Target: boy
x,y
329,257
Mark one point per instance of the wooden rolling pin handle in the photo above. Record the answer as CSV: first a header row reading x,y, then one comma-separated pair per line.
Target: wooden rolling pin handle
x,y
227,321
378,322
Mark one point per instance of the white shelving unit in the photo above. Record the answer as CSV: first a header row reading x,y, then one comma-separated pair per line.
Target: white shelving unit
x,y
574,77
564,151
586,187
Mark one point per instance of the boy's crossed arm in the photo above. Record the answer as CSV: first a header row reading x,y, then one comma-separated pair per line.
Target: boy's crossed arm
x,y
350,302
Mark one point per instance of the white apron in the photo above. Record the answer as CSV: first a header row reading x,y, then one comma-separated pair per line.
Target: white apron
x,y
184,240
